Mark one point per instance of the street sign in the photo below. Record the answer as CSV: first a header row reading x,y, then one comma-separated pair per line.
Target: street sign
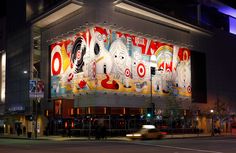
x,y
32,87
36,89
40,89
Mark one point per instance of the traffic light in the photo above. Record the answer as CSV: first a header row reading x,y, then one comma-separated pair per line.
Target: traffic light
x,y
149,115
153,70
149,112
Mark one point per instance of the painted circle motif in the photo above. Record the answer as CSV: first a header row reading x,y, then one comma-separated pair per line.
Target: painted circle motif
x,y
78,54
189,89
185,55
56,63
141,70
127,72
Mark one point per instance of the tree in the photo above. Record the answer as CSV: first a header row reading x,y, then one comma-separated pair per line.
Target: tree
x,y
172,111
172,105
221,109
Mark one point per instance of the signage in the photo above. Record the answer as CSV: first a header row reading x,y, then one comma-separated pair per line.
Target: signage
x,y
1,123
36,89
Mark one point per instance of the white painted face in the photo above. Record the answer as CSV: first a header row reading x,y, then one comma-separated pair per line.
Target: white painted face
x,y
102,57
120,56
137,58
184,74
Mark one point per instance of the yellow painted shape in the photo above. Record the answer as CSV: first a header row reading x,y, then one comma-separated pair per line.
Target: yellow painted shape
x,y
65,58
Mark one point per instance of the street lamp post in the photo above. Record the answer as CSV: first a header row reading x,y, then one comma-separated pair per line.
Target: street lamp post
x,y
152,105
36,99
152,73
212,122
36,117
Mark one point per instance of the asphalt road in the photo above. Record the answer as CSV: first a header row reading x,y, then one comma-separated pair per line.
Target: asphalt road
x,y
195,145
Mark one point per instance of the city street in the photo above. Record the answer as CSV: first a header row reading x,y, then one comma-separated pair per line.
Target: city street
x,y
193,145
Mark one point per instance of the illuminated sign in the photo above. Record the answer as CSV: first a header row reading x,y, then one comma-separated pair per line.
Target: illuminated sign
x,y
16,108
232,25
104,60
3,77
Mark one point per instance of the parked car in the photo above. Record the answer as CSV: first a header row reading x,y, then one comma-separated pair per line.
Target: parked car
x,y
147,132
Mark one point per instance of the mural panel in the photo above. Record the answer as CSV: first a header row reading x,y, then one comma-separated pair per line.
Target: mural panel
x,y
104,60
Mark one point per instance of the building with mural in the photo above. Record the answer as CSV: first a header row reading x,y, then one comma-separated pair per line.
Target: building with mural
x,y
85,63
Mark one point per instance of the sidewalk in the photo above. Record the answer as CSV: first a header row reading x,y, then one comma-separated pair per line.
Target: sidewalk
x,y
182,136
60,138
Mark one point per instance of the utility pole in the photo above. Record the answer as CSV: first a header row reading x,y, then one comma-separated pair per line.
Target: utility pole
x,y
212,122
36,106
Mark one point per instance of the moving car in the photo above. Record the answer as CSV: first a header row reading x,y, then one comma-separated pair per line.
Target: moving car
x,y
147,132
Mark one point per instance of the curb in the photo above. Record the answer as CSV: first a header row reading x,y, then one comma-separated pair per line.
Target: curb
x,y
65,139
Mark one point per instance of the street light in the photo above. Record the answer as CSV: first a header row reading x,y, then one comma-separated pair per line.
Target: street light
x,y
151,109
212,124
35,96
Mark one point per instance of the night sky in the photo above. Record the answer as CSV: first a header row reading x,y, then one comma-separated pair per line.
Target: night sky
x,y
2,8
231,3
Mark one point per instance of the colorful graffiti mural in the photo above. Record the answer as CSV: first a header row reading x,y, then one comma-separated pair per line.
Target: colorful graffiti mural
x,y
101,59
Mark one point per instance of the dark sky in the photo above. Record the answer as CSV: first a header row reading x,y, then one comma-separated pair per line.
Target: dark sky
x,y
177,4
231,3
2,8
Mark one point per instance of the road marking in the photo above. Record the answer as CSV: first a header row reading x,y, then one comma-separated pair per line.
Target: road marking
x,y
234,141
219,140
181,148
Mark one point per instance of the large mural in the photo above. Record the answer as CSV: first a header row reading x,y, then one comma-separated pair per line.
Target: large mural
x,y
104,60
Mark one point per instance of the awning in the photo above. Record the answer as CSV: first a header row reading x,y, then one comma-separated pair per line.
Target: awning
x,y
134,9
57,13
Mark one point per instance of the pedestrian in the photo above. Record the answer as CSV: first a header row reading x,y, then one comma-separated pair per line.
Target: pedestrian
x,y
103,132
18,131
219,131
64,132
69,132
24,130
98,132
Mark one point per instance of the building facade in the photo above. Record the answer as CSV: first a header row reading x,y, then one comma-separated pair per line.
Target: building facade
x,y
112,63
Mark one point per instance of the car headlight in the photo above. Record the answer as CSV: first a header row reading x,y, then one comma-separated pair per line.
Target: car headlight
x,y
137,135
129,135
